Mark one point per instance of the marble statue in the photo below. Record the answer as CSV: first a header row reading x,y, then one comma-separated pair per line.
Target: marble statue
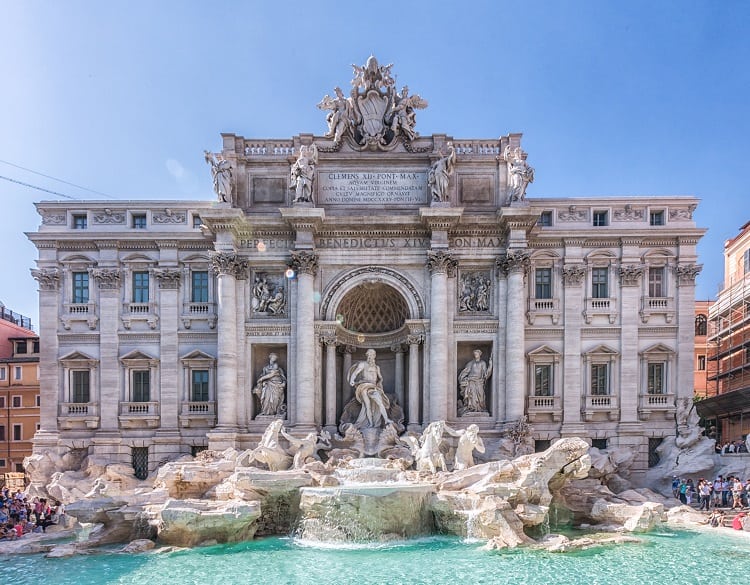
x,y
350,445
469,441
303,449
269,450
520,174
426,449
440,173
367,381
403,117
267,296
471,382
270,387
221,172
475,293
277,303
340,115
303,174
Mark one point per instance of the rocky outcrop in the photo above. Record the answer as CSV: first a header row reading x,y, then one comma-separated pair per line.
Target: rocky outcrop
x,y
192,522
696,460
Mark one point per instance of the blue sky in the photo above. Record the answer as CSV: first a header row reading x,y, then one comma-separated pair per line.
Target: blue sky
x,y
613,98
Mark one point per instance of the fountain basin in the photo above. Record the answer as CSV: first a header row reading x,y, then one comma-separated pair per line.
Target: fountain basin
x,y
365,512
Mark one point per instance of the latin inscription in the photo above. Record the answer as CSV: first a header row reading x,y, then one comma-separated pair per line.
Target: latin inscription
x,y
392,188
364,243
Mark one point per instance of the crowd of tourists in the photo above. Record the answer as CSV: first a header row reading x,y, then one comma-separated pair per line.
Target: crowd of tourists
x,y
720,496
19,516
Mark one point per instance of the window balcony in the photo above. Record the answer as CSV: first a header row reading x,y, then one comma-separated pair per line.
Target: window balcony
x,y
198,312
78,415
540,407
139,312
543,307
605,306
657,306
198,414
659,403
79,312
597,404
135,415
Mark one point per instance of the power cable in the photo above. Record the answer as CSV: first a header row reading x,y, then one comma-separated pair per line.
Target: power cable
x,y
38,188
56,179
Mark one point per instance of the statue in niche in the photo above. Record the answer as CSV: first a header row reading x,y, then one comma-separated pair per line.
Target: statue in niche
x,y
303,174
340,115
440,173
468,441
221,173
267,296
270,388
403,116
370,407
520,174
471,382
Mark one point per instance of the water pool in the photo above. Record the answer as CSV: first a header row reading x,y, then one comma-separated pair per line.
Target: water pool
x,y
665,557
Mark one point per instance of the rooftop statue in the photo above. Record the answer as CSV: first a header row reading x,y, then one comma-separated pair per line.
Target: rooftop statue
x,y
303,174
440,173
520,174
221,173
374,116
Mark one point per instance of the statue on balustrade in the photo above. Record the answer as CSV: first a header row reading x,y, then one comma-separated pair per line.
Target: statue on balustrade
x,y
371,407
440,173
270,388
221,173
303,174
471,383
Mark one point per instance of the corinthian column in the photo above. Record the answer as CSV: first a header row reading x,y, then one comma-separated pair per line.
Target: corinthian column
x,y
329,341
516,264
49,280
441,265
414,341
305,265
227,266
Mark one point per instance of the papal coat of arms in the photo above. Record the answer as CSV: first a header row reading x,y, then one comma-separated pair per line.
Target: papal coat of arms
x,y
375,115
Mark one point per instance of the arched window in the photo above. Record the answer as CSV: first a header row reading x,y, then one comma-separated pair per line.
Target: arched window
x,y
700,324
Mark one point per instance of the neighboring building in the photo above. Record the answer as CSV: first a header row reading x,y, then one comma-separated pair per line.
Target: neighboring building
x,y
700,377
19,389
158,317
728,340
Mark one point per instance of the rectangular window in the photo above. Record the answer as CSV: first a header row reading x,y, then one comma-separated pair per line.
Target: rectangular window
x,y
18,373
197,221
2,463
141,386
656,282
599,379
2,401
600,283
21,346
655,381
2,373
80,287
199,386
746,261
601,218
2,432
545,219
543,283
18,432
17,402
600,444
80,390
140,287
35,346
139,221
199,286
701,362
656,218
543,380
80,222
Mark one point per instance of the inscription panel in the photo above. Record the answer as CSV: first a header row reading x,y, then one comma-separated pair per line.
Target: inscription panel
x,y
373,188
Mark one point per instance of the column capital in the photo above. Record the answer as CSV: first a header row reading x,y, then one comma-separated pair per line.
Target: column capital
x,y
327,339
686,273
305,262
49,278
439,261
397,348
631,275
415,339
169,278
573,274
514,261
228,263
108,278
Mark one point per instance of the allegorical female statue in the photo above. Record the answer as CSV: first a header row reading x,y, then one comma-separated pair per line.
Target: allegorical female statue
x,y
270,388
471,382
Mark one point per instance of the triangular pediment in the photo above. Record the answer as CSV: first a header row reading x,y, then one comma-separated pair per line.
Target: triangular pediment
x,y
137,356
197,355
602,349
543,350
77,356
658,348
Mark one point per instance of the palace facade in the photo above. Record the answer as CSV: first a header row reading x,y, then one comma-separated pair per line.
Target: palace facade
x,y
159,318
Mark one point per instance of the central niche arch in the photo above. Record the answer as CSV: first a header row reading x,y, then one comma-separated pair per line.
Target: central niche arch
x,y
372,307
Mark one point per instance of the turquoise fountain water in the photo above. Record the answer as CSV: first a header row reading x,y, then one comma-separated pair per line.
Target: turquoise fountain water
x,y
665,557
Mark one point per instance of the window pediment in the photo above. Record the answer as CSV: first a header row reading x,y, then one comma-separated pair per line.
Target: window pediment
x,y
78,359
658,348
601,350
198,358
138,358
543,351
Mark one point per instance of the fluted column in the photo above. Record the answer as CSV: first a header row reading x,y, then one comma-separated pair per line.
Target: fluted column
x,y
226,266
573,275
49,379
630,296
414,341
346,390
516,264
169,308
498,377
398,349
441,265
330,344
306,266
109,381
